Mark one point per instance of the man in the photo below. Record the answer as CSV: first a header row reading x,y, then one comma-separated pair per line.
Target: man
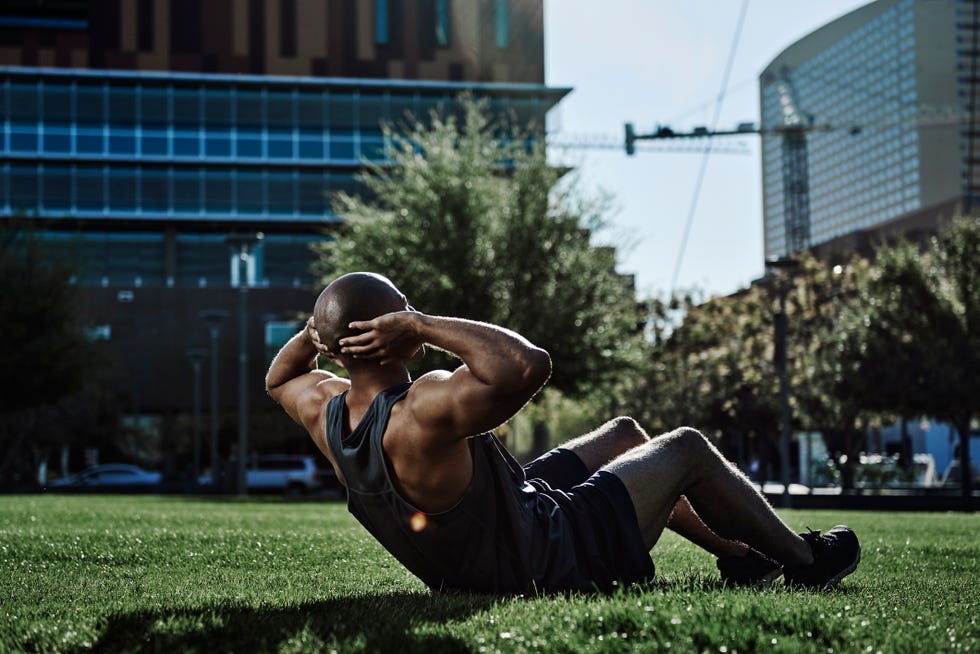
x,y
427,478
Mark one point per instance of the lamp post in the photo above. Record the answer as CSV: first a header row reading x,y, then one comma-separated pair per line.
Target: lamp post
x,y
213,319
241,246
788,265
197,356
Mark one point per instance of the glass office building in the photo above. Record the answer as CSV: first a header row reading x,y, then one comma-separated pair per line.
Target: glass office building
x,y
865,125
199,153
140,135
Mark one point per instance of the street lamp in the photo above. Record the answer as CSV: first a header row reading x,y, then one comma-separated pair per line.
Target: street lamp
x,y
213,319
787,264
241,246
197,356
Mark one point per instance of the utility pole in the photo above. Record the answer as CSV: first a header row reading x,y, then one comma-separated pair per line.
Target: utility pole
x,y
197,356
241,248
213,320
781,364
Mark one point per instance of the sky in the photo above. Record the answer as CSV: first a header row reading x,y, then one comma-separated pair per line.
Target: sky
x,y
663,62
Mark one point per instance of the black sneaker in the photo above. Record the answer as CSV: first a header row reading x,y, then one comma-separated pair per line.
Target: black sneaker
x,y
835,555
752,569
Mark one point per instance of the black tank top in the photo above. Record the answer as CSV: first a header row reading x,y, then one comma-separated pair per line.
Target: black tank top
x,y
501,536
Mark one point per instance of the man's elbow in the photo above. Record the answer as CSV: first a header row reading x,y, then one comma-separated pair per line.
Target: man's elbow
x,y
272,389
537,369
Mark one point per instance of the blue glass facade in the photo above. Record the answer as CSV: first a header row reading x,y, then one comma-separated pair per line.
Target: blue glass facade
x,y
857,85
141,135
203,153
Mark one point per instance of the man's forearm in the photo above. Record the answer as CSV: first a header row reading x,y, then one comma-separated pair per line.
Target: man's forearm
x,y
496,356
297,357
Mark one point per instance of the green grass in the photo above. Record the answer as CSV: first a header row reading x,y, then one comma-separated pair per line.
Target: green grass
x,y
177,574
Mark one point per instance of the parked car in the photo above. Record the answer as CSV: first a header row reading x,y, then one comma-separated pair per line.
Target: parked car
x,y
117,477
283,473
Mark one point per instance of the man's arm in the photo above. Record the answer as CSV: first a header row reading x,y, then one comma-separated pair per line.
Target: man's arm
x,y
501,369
295,382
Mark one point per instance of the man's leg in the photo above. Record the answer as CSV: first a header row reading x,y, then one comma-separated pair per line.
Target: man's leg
x,y
683,463
620,435
685,521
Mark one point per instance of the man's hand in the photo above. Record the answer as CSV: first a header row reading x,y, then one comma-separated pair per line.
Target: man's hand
x,y
388,338
315,338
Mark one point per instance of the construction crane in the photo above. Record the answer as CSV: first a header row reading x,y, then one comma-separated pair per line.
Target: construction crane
x,y
584,141
795,167
796,174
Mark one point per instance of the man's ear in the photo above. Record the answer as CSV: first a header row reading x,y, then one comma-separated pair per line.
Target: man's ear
x,y
325,351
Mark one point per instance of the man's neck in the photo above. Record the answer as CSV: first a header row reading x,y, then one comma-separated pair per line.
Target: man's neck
x,y
366,383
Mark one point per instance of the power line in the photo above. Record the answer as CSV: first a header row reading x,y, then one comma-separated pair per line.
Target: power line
x,y
707,153
707,103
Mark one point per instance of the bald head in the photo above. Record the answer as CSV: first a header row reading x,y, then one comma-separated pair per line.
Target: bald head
x,y
355,296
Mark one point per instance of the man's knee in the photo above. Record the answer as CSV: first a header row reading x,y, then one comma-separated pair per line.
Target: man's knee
x,y
627,432
690,440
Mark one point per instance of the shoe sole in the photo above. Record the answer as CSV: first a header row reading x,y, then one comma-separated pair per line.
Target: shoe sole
x,y
843,573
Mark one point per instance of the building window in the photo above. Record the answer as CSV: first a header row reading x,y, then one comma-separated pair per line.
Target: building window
x,y
381,21
89,195
186,191
281,197
122,194
251,191
56,181
154,143
442,23
503,24
218,191
154,190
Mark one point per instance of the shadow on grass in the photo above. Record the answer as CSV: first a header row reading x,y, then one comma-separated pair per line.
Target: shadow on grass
x,y
368,623
698,583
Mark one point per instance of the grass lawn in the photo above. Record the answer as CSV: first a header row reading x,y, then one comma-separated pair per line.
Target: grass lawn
x,y
209,575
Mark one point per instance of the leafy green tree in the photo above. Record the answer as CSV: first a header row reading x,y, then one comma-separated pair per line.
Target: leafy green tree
x,y
470,220
912,336
43,344
716,367
44,352
827,394
712,367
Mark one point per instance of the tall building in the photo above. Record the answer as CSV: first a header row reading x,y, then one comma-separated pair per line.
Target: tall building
x,y
152,136
869,126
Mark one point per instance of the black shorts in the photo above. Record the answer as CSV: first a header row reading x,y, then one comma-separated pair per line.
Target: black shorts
x,y
608,544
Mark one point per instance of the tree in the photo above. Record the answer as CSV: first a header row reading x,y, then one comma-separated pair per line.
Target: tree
x,y
912,337
712,367
470,220
716,367
827,394
44,352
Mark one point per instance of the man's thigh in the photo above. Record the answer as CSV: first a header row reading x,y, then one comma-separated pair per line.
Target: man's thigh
x,y
610,440
655,475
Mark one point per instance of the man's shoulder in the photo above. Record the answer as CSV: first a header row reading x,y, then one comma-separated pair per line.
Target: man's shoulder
x,y
430,387
331,388
433,376
315,400
427,401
